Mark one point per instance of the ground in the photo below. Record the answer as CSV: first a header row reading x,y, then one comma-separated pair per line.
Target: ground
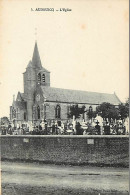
x,y
20,178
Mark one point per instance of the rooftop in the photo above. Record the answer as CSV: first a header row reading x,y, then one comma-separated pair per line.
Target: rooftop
x,y
77,96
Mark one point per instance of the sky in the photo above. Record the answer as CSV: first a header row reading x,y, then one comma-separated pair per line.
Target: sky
x,y
85,49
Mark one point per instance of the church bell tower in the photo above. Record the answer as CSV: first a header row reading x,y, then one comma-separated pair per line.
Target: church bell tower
x,y
34,76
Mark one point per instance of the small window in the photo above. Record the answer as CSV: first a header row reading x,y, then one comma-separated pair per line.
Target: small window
x,y
39,77
43,78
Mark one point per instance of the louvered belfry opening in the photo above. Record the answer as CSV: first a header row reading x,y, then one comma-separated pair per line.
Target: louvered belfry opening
x,y
39,78
43,78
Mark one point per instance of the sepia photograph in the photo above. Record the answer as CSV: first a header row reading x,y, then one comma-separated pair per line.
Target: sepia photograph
x,y
64,103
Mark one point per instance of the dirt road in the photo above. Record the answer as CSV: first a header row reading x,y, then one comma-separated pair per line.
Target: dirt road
x,y
33,178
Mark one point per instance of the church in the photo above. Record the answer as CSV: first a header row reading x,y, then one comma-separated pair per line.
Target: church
x,y
41,102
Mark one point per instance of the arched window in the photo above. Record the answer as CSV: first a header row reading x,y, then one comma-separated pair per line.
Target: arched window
x,y
38,112
39,77
58,111
43,78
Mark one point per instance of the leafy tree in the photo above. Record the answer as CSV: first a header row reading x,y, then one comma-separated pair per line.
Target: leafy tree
x,y
4,120
76,111
107,110
113,113
91,114
124,110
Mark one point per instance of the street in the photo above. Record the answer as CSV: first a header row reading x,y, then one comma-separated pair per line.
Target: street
x,y
20,178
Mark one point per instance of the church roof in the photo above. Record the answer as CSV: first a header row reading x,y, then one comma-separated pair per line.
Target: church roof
x,y
36,61
77,96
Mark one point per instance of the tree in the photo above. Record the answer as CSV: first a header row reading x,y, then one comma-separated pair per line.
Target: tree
x,y
91,114
76,111
107,110
4,121
113,113
124,110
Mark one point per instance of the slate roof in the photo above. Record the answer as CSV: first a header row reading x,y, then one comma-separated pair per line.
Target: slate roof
x,y
77,96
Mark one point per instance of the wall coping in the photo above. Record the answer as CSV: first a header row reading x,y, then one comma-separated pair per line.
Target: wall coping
x,y
66,136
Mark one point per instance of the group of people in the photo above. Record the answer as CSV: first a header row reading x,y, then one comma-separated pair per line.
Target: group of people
x,y
73,128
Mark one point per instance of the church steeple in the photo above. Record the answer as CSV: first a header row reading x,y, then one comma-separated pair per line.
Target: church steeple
x,y
35,73
36,61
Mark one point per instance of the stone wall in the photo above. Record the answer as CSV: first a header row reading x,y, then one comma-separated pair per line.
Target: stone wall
x,y
99,150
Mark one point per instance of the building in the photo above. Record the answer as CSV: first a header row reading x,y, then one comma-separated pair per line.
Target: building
x,y
41,101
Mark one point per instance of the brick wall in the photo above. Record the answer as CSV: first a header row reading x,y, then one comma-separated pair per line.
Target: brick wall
x,y
109,150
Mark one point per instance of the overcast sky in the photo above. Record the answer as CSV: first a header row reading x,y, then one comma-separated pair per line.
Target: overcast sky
x,y
85,49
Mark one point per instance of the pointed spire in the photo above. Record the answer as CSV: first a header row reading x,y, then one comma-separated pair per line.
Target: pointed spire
x,y
36,61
